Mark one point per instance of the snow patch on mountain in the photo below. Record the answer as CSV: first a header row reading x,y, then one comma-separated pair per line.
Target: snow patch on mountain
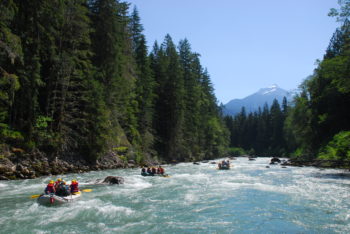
x,y
258,99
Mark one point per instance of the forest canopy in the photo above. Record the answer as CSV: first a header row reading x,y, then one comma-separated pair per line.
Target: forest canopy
x,y
77,79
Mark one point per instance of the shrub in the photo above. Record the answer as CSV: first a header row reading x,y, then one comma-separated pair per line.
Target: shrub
x,y
338,148
235,151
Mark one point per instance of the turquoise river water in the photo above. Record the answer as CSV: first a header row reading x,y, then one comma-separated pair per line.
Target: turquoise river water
x,y
249,198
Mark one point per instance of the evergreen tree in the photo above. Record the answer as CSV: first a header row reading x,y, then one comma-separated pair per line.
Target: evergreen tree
x,y
145,84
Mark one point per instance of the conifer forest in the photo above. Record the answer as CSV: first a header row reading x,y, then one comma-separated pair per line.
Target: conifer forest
x,y
77,79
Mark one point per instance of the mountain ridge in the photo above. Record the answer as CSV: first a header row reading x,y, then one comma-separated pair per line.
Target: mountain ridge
x,y
258,99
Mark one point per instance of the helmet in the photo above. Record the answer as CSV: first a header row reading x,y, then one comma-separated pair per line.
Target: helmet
x,y
51,182
59,179
74,181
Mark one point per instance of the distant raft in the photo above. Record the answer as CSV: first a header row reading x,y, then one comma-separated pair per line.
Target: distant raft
x,y
224,166
51,199
152,174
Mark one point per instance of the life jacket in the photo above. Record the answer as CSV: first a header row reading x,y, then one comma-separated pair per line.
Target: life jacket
x,y
57,183
74,187
161,170
50,188
154,171
62,190
149,170
143,170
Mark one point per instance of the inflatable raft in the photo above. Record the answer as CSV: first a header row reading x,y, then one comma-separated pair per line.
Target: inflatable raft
x,y
51,199
224,167
151,174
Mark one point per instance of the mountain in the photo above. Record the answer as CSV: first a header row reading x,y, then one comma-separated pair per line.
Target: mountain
x,y
258,99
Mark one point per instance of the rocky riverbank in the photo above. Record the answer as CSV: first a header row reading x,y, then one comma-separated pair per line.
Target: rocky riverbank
x,y
16,164
341,164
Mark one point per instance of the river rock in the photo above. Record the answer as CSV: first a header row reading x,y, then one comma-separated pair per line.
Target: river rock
x,y
4,169
275,160
4,178
113,180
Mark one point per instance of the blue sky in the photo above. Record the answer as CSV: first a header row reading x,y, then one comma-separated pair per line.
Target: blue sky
x,y
245,45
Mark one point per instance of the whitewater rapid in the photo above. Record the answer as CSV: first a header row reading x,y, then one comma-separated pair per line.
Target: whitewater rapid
x,y
249,198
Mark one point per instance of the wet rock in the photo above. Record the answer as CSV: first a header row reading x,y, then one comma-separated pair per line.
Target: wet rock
x,y
131,162
25,171
20,175
4,169
8,174
275,160
4,178
113,180
196,163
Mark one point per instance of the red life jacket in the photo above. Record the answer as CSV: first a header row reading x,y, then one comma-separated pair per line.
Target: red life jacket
x,y
161,170
50,188
74,187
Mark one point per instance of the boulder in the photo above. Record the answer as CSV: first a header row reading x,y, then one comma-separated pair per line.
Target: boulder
x,y
113,180
4,178
275,160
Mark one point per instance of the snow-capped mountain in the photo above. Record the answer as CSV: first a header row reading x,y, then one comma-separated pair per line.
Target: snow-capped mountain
x,y
258,99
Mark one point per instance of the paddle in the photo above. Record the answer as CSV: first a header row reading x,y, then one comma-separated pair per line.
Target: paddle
x,y
84,190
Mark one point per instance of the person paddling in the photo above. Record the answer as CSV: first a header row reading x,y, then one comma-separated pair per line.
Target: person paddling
x,y
149,171
57,183
160,170
50,188
143,171
154,171
74,187
62,189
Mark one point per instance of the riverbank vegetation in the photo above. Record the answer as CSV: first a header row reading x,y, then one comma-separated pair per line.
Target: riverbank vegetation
x,y
77,80
316,124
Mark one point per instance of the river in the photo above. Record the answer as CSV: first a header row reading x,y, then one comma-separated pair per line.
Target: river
x,y
249,198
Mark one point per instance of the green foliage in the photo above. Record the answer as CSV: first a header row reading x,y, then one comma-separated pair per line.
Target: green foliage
x,y
8,135
139,158
338,148
236,151
42,122
124,158
121,149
